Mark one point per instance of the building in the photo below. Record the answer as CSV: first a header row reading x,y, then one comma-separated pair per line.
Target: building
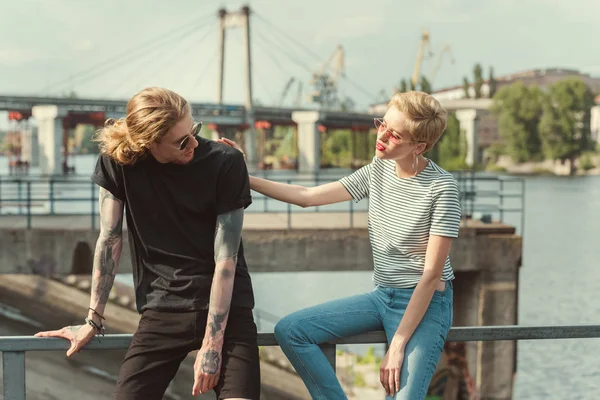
x,y
540,77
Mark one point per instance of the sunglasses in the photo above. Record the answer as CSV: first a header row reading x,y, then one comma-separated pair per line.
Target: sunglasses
x,y
193,134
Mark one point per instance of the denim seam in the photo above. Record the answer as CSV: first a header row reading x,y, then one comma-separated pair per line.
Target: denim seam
x,y
311,319
430,371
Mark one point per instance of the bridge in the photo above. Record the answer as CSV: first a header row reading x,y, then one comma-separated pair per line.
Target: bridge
x,y
55,116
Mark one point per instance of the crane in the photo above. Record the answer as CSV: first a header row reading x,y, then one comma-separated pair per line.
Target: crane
x,y
445,49
325,92
286,90
420,54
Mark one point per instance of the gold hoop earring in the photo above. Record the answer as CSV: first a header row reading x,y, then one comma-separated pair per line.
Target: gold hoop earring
x,y
415,164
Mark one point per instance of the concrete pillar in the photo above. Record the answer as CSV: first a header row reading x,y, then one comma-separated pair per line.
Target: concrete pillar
x,y
309,143
50,138
30,146
469,124
595,123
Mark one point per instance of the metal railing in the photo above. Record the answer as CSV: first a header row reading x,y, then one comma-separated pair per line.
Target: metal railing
x,y
13,348
484,197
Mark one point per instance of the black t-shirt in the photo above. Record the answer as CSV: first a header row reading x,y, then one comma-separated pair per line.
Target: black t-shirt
x,y
171,213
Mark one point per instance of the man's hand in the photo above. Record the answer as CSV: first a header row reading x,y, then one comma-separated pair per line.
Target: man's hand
x,y
207,368
79,336
390,368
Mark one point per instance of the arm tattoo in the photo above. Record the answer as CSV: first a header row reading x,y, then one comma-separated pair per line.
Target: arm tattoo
x,y
228,234
217,320
210,362
108,247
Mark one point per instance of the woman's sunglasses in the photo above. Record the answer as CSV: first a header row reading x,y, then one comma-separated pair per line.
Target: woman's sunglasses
x,y
193,134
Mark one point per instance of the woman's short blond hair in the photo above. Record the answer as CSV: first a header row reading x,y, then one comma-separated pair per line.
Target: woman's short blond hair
x,y
425,117
151,113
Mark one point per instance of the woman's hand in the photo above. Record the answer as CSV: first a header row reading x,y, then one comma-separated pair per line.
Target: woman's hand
x,y
389,370
233,144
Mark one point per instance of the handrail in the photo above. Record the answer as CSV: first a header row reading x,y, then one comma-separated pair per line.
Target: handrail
x,y
29,196
13,348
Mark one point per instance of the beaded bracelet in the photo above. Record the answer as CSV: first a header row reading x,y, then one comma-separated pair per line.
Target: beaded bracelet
x,y
99,329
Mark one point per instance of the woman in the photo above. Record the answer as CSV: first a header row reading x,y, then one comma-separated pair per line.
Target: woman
x,y
414,213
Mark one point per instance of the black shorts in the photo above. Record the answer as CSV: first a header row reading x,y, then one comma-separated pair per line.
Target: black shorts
x,y
164,339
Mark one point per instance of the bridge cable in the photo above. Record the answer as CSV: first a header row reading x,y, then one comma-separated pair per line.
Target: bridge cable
x,y
116,57
208,64
284,33
261,82
132,57
313,54
295,60
156,67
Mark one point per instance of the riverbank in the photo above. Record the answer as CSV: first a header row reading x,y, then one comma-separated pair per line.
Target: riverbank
x,y
504,164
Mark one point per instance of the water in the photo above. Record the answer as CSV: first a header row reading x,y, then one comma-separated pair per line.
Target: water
x,y
559,285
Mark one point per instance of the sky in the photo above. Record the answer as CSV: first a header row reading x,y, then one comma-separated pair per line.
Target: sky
x,y
48,45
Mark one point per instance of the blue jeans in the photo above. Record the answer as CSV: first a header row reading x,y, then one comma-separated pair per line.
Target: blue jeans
x,y
300,333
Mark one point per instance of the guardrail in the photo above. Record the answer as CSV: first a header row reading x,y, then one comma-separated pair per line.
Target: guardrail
x,y
13,348
485,197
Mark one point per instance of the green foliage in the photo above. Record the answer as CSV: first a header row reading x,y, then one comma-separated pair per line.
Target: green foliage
x,y
451,150
492,83
359,380
585,161
403,86
564,125
426,85
518,108
466,87
478,80
336,148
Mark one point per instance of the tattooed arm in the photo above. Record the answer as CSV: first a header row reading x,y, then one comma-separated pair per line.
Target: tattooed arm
x,y
228,234
106,259
108,252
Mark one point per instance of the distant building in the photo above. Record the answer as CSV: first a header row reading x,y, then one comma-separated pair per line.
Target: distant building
x,y
540,77
543,78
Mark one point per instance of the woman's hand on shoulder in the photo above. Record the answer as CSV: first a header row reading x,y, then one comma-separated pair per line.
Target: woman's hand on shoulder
x,y
231,143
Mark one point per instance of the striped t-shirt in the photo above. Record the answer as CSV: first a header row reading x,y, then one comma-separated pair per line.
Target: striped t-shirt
x,y
402,215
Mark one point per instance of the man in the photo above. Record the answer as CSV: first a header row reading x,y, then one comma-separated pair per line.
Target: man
x,y
185,198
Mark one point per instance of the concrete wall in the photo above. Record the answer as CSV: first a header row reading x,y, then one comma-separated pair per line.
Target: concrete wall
x,y
59,251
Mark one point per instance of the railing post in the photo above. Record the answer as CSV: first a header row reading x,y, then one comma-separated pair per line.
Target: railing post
x,y
20,197
289,210
352,213
330,352
51,196
501,200
28,204
13,367
93,209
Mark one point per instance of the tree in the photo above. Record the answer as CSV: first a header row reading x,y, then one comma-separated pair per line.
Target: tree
x,y
478,80
451,150
492,83
466,87
425,85
518,108
403,86
565,123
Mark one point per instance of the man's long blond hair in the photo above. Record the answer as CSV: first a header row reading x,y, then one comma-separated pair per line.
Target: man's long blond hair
x,y
151,113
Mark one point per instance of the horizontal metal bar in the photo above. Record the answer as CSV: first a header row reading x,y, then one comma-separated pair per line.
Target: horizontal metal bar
x,y
457,334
